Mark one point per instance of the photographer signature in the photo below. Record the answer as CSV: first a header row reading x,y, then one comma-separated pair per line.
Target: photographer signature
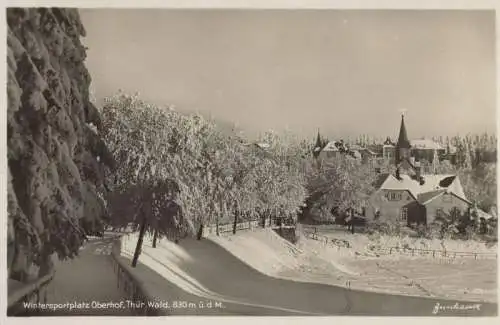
x,y
457,306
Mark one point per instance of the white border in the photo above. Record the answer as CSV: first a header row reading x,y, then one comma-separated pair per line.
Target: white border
x,y
241,4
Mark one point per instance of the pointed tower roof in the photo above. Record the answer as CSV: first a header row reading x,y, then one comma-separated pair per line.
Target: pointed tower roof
x,y
403,141
318,139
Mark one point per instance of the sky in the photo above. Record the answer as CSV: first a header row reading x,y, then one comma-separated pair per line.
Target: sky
x,y
342,72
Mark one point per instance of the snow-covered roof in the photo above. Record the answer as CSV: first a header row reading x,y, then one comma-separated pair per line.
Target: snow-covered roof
x,y
482,214
425,144
452,149
423,198
263,145
330,146
356,147
432,183
356,154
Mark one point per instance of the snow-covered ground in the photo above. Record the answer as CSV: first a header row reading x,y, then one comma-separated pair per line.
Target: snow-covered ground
x,y
454,278
359,268
367,243
313,261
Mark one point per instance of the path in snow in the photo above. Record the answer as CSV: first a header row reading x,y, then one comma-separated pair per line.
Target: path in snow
x,y
87,278
204,270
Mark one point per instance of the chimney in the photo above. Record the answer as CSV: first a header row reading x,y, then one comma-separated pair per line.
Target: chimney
x,y
398,175
419,176
418,171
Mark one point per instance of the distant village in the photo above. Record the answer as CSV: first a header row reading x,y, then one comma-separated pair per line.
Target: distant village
x,y
428,150
413,192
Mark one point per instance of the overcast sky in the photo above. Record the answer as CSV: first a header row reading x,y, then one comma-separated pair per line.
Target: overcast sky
x,y
344,72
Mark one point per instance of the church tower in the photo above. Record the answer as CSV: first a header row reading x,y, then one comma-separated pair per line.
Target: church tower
x,y
403,145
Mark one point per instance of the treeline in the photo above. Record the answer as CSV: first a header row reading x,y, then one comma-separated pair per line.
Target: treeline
x,y
483,142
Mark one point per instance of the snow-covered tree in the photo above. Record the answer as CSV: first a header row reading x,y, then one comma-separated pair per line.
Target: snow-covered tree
x,y
341,183
56,160
219,178
145,186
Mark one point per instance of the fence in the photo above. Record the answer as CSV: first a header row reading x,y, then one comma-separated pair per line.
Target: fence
x,y
434,252
131,286
334,241
406,251
34,292
225,228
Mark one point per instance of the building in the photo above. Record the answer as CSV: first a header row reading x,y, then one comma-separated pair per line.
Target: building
x,y
421,149
408,195
333,149
389,150
363,153
426,149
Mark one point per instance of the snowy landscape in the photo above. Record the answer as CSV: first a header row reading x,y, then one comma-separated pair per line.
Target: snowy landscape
x,y
267,189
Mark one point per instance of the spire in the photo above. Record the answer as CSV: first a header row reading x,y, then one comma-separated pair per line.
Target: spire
x,y
403,147
318,140
318,146
403,141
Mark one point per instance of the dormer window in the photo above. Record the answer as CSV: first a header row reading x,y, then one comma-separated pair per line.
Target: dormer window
x,y
393,196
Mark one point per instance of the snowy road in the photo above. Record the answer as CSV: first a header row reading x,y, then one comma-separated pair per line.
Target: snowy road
x,y
204,270
88,281
201,274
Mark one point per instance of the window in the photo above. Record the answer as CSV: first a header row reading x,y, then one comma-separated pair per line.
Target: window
x,y
439,212
393,196
403,214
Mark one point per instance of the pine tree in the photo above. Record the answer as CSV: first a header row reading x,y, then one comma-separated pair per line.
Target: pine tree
x,y
435,162
324,142
493,142
467,156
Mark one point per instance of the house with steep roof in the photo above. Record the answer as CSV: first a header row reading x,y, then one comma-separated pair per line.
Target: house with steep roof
x,y
333,149
427,149
408,195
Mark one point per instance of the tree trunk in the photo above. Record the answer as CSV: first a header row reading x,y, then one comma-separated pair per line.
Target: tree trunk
x,y
200,232
46,264
217,218
235,223
138,248
155,238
